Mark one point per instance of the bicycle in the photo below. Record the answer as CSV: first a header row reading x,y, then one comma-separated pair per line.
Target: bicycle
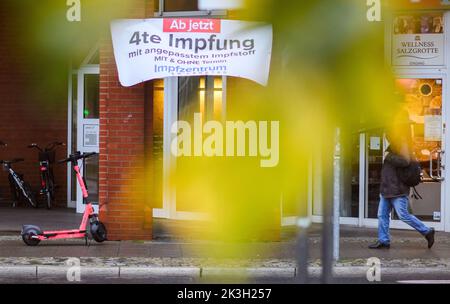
x,y
46,159
20,189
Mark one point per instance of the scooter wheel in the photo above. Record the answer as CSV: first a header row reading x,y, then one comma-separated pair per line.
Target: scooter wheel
x,y
98,231
27,238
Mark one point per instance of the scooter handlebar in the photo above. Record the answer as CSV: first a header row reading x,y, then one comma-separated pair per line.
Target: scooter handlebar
x,y
77,156
34,145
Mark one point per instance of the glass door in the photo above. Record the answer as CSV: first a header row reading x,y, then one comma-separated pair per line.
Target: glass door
x,y
422,100
88,131
374,160
184,99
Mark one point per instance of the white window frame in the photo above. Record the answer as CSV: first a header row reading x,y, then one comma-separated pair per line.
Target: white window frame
x,y
85,66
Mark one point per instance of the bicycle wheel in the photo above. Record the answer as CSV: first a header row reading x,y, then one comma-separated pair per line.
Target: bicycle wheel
x,y
51,183
29,195
15,191
49,194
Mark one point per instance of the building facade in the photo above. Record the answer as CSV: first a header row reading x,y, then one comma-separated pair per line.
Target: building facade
x,y
130,127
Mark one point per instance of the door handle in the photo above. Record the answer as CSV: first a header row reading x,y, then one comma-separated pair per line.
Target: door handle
x,y
439,167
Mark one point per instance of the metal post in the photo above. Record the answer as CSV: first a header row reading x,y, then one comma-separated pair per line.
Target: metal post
x,y
337,193
328,202
303,224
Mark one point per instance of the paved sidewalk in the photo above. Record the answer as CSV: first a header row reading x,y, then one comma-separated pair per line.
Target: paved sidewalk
x,y
173,258
12,219
408,247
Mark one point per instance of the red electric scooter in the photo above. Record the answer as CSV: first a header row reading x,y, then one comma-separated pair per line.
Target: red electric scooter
x,y
32,235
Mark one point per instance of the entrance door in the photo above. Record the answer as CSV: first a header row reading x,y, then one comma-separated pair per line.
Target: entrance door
x,y
184,96
423,101
88,131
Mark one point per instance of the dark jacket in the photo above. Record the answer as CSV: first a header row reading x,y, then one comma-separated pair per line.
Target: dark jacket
x,y
391,185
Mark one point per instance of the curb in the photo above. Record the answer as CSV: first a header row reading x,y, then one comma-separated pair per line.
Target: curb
x,y
259,272
23,272
46,272
125,272
151,272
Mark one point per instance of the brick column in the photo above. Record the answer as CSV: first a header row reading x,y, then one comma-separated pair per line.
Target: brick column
x,y
123,185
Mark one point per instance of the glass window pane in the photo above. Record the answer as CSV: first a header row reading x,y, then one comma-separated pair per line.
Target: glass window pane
x,y
91,96
374,154
419,23
350,203
191,97
180,5
91,175
158,142
423,103
201,94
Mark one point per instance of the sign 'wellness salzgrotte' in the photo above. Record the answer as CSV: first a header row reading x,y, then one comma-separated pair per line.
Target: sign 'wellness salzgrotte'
x,y
157,48
418,50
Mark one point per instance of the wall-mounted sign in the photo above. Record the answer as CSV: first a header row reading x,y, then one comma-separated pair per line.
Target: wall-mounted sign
x,y
417,50
158,48
418,40
90,135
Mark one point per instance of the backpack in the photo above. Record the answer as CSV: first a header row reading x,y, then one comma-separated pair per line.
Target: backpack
x,y
411,175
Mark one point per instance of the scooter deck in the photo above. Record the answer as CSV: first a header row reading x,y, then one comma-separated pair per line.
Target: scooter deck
x,y
63,234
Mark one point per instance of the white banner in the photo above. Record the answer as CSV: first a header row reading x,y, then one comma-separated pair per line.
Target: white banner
x,y
158,48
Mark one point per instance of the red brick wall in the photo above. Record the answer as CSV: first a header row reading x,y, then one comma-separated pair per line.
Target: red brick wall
x,y
33,107
123,186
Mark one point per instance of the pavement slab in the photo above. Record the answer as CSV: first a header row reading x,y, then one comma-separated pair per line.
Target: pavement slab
x,y
407,247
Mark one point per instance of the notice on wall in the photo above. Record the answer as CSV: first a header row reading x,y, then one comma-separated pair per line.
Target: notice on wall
x,y
433,127
90,135
418,50
375,143
157,48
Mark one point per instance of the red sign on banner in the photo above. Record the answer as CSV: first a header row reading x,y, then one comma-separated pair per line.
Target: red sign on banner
x,y
189,25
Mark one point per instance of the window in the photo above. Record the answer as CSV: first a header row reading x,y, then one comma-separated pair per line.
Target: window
x,y
180,5
419,23
91,96
185,8
200,94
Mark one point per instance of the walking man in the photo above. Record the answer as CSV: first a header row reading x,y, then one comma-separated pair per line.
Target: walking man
x,y
394,194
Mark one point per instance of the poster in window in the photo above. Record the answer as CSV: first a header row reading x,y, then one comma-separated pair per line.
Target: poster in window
x,y
433,127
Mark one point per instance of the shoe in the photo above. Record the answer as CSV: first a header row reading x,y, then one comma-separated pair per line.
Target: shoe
x,y
379,245
430,237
